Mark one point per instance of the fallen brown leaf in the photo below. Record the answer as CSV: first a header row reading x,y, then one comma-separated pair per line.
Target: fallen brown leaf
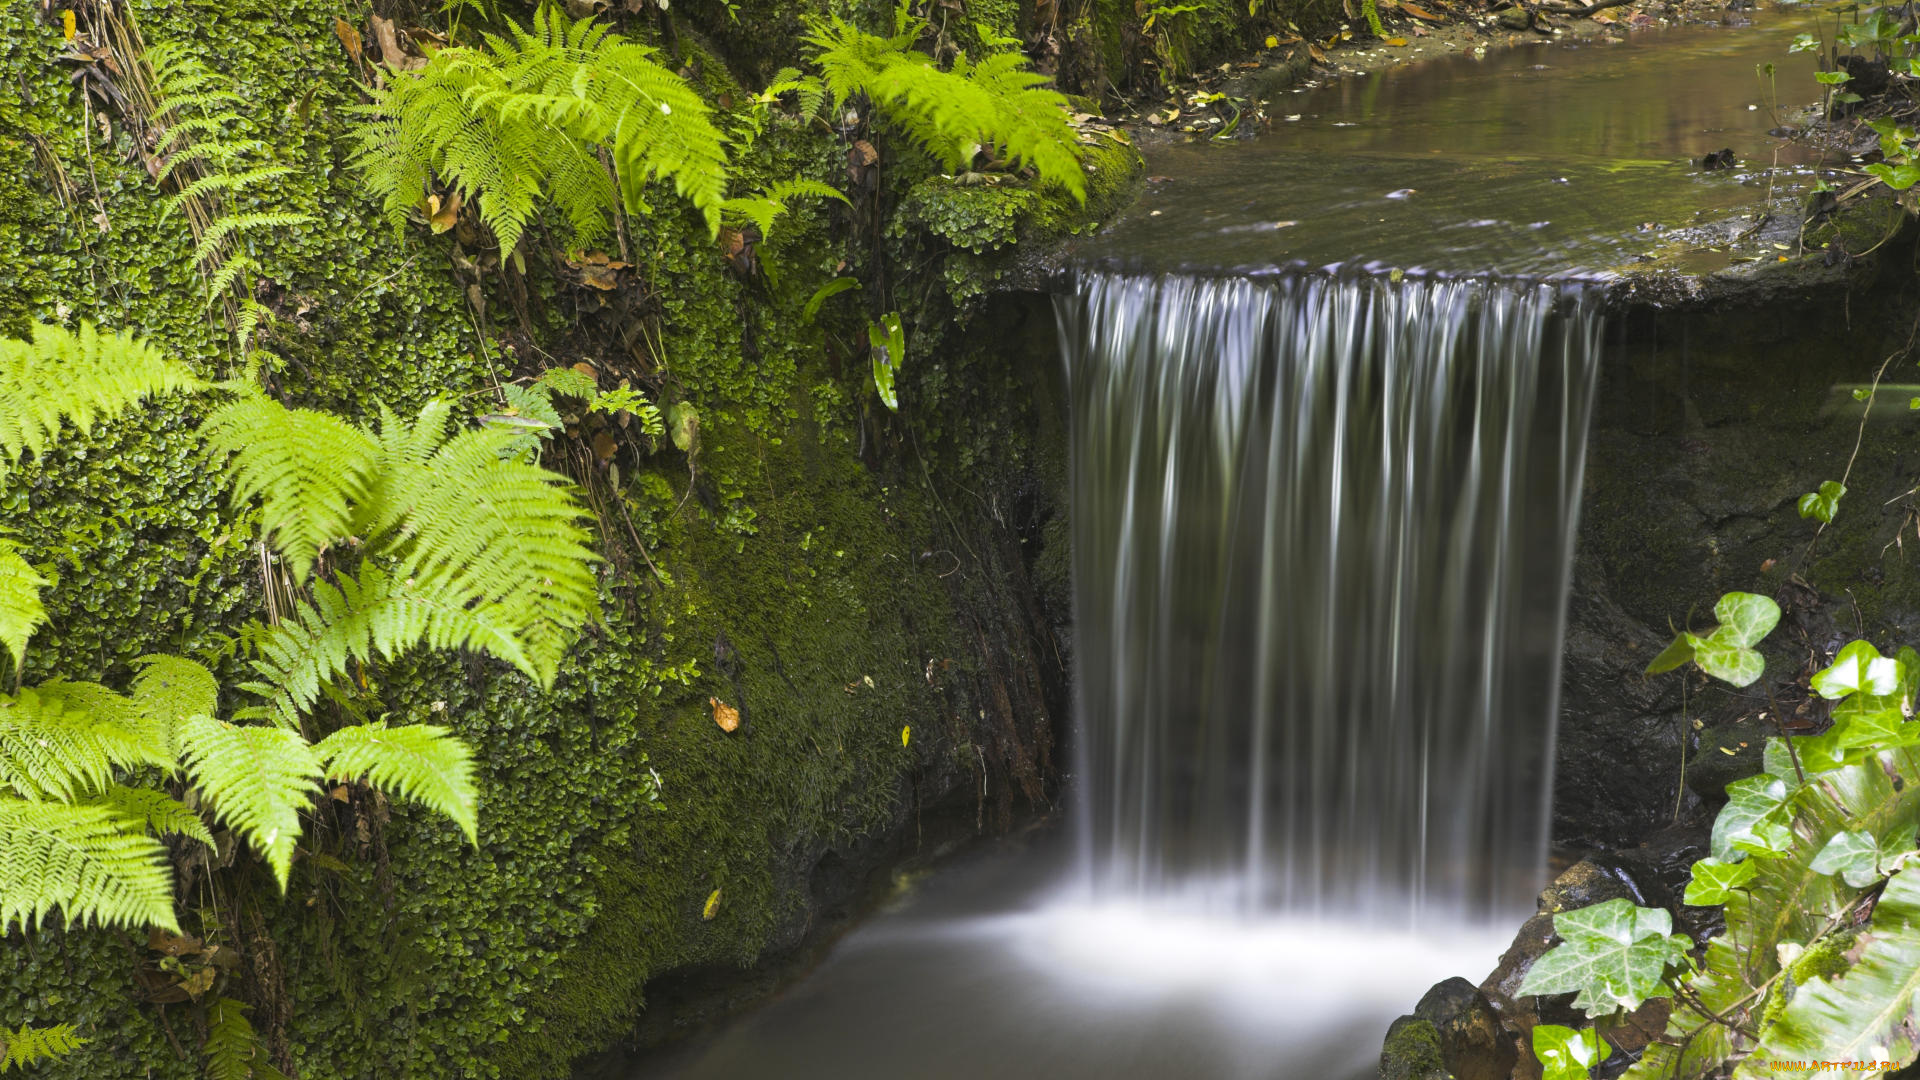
x,y
391,50
727,717
349,37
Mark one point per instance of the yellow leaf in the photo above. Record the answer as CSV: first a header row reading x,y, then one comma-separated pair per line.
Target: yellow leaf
x,y
67,27
1397,42
349,36
712,907
442,214
727,717
904,733
1273,42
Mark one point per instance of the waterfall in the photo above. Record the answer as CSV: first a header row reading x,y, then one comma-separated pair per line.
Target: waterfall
x,y
1322,531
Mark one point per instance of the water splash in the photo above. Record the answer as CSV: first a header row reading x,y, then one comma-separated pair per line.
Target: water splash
x,y
1322,530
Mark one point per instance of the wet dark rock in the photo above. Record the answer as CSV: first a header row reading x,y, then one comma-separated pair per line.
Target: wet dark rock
x,y
1412,1052
1472,1043
1869,77
1719,159
1515,18
1586,883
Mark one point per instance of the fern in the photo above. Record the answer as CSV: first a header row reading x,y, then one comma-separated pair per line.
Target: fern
x,y
62,740
463,549
83,861
21,612
366,618
258,779
234,1051
81,376
770,205
169,689
27,1045
197,110
995,104
420,762
524,120
311,470
147,809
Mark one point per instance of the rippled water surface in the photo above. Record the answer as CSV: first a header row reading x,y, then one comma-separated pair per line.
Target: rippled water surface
x,y
1538,159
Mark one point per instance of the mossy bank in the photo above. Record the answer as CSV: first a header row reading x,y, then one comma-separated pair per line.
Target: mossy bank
x,y
880,596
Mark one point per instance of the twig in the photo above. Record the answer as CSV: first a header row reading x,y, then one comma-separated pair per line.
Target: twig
x,y
1860,434
1581,12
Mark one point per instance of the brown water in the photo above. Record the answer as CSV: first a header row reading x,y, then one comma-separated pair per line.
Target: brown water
x,y
1534,160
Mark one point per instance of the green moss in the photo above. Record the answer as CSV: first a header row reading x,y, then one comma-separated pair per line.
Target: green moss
x,y
820,571
1412,1052
1824,960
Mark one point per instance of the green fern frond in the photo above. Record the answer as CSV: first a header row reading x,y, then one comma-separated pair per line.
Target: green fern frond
x,y
374,616
171,688
258,779
421,762
21,612
82,861
61,740
180,137
522,120
486,553
770,205
27,1045
217,233
145,808
309,469
569,382
234,1050
212,155
207,185
996,104
223,278
81,376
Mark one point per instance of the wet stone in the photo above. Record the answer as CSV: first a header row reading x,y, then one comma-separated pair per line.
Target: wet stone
x,y
1472,1043
1412,1052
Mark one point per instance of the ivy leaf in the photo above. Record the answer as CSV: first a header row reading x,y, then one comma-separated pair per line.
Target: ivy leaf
x,y
1779,762
1859,667
1566,1054
1726,661
1899,178
1870,723
1895,846
1713,881
1754,821
1852,855
1825,503
1611,955
1674,655
1745,618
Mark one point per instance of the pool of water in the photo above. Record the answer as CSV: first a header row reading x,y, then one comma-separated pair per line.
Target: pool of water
x,y
991,970
1539,159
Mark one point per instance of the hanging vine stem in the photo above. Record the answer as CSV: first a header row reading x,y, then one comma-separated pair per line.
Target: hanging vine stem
x,y
1860,434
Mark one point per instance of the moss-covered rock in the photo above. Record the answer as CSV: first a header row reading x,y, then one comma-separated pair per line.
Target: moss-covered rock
x,y
1412,1052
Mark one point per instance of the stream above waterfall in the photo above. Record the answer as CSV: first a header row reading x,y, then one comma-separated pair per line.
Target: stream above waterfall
x,y
1322,529
1534,160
